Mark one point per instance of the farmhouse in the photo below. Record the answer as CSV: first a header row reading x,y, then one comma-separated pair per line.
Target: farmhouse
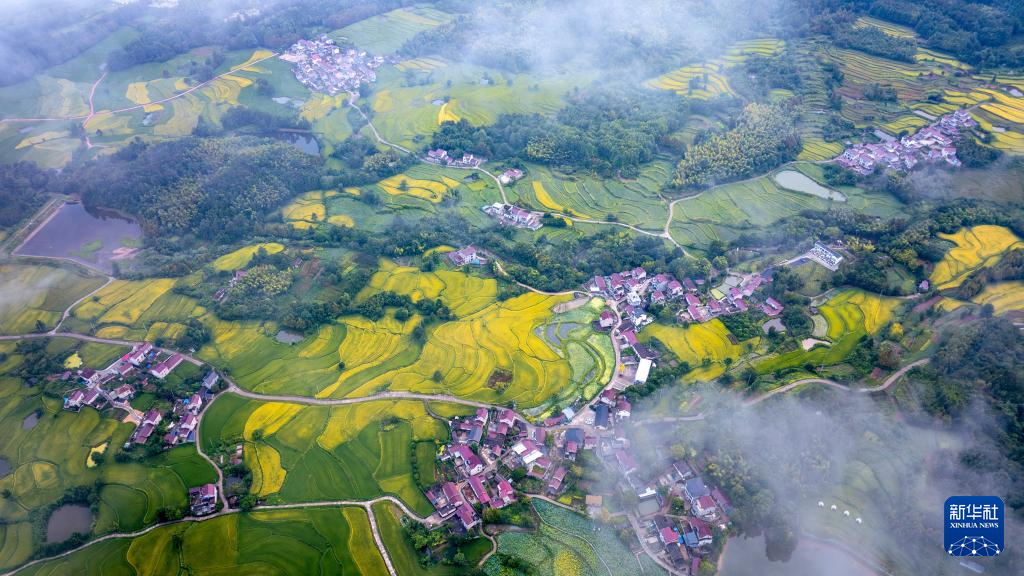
x,y
468,255
825,256
203,499
163,369
514,216
509,176
210,380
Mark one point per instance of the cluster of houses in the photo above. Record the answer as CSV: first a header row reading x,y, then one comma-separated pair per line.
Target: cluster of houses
x,y
930,144
144,359
467,255
514,216
478,444
682,538
322,66
440,157
633,291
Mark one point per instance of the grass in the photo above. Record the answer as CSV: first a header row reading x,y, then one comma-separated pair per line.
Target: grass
x,y
39,293
698,344
317,453
975,248
308,541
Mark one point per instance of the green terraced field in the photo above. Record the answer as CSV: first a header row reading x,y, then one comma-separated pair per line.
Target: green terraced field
x,y
309,541
317,453
635,202
40,293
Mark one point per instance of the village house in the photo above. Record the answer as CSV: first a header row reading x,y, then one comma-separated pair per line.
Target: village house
x,y
514,216
123,392
465,460
203,499
210,380
468,255
164,368
510,176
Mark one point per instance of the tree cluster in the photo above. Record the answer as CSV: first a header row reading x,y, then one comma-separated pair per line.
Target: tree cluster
x,y
763,138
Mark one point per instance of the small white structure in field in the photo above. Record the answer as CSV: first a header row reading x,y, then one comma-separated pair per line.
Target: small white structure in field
x,y
859,521
834,508
846,513
821,504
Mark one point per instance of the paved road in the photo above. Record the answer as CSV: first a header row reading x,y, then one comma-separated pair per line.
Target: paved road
x,y
892,379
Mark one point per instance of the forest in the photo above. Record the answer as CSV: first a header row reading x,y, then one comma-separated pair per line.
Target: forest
x,y
763,138
213,188
606,130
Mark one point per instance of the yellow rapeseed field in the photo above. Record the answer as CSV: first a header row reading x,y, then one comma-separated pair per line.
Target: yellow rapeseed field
x,y
976,247
239,258
1004,296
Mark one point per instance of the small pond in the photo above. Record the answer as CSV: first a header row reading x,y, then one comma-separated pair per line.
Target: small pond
x,y
793,180
5,467
307,144
746,557
94,239
67,520
30,421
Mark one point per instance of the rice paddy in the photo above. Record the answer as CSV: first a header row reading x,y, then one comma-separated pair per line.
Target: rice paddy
x,y
36,294
240,258
387,32
725,211
405,114
463,293
321,453
708,80
1004,296
313,208
55,455
704,346
850,314
977,247
305,541
636,202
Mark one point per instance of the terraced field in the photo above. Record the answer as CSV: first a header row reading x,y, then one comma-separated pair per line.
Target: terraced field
x,y
39,293
135,310
311,209
698,344
567,543
850,314
463,293
975,248
307,541
385,33
707,80
318,453
52,456
1004,296
467,351
405,114
635,202
240,258
725,211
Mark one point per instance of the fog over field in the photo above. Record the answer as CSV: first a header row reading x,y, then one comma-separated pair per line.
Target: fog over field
x,y
845,449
